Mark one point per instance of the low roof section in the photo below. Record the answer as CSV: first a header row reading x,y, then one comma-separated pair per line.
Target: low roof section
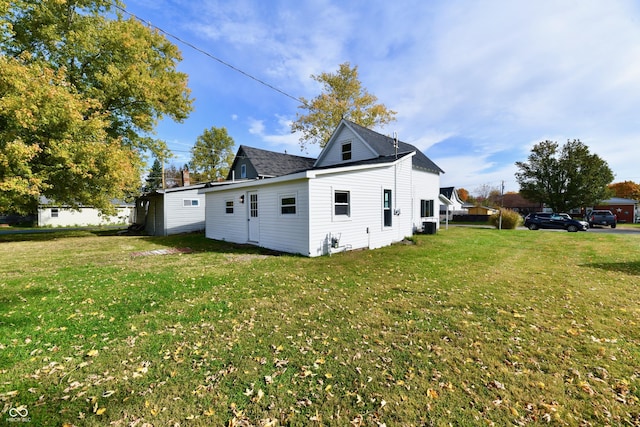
x,y
270,164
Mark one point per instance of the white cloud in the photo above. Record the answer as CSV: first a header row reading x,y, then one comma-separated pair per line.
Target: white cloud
x,y
500,75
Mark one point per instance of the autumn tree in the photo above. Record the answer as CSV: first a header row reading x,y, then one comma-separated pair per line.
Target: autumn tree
x,y
463,194
55,143
212,155
342,97
626,190
117,75
564,177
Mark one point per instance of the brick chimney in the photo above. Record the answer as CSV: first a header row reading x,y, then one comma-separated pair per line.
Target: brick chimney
x,y
185,178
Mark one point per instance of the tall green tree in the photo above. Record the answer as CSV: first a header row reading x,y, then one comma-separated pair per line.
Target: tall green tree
x,y
342,97
121,74
212,155
564,177
154,177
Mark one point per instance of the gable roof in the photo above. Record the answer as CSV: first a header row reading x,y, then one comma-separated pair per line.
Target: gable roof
x,y
446,191
271,163
384,146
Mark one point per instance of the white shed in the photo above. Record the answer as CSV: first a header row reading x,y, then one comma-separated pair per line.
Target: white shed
x,y
172,210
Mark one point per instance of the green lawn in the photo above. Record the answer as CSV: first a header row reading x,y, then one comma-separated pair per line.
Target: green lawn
x,y
469,327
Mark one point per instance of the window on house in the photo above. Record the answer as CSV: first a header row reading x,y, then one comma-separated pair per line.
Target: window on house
x,y
54,212
288,205
341,203
229,206
188,203
426,208
243,171
386,208
346,151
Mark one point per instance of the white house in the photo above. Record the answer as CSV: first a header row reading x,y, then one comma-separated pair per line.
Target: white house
x,y
365,190
54,215
172,210
451,204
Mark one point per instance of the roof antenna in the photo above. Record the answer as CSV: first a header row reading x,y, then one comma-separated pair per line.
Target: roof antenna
x,y
395,142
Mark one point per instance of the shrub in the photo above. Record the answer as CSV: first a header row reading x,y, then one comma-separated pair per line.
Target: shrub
x,y
510,219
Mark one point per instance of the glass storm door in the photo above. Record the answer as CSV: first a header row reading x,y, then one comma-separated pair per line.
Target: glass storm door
x,y
254,220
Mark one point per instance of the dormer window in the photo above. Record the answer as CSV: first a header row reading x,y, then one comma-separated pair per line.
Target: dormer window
x,y
346,151
243,171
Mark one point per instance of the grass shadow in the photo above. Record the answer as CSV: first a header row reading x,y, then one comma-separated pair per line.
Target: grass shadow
x,y
630,267
199,243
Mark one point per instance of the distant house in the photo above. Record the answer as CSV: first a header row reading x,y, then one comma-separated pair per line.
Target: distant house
x,y
171,211
625,209
517,203
482,210
54,215
365,190
452,204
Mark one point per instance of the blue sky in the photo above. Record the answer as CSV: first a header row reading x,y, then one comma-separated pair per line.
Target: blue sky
x,y
475,83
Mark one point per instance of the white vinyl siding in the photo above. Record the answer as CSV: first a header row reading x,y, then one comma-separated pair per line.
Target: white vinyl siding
x,y
275,233
183,214
64,217
365,226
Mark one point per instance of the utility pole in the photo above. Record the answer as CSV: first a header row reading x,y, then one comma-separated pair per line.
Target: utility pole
x,y
501,204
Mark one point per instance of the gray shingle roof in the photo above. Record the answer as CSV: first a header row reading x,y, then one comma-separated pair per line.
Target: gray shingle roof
x,y
272,164
383,145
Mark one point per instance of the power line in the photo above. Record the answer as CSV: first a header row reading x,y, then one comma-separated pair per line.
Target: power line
x,y
204,52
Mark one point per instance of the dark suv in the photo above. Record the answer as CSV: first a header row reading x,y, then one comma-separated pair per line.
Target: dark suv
x,y
602,217
562,221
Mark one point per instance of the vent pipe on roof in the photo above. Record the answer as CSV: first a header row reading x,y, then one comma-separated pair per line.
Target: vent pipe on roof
x,y
395,142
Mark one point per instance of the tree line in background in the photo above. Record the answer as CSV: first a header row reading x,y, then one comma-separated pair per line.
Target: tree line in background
x,y
561,178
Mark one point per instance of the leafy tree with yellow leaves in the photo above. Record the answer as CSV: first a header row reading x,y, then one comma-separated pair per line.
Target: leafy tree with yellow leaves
x,y
343,97
82,89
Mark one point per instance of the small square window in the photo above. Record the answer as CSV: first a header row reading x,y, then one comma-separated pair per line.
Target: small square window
x,y
54,213
288,205
229,206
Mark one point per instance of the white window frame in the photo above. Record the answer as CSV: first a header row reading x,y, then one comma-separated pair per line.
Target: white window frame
x,y
189,203
283,197
227,207
334,204
55,212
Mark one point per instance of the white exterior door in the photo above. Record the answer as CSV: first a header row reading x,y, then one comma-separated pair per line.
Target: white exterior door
x,y
254,219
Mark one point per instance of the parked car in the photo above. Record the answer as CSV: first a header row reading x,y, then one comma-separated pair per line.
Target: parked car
x,y
561,221
602,217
